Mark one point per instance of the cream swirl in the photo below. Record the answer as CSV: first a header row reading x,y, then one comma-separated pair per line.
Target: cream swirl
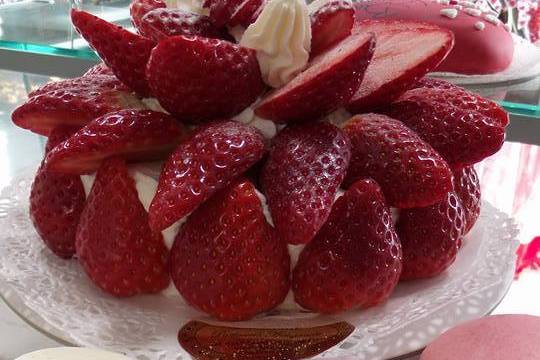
x,y
193,6
281,36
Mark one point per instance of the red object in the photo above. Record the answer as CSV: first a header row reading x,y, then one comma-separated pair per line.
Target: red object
x,y
221,11
528,256
409,171
139,8
99,69
467,188
330,24
355,259
115,245
224,84
534,24
209,161
247,12
304,170
227,260
328,83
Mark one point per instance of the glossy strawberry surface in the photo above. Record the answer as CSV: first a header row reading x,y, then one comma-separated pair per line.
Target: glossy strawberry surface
x,y
467,189
330,23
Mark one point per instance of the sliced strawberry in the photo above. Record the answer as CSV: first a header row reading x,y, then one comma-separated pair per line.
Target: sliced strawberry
x,y
135,135
56,202
466,100
305,168
221,11
224,84
328,83
247,12
73,102
446,121
162,23
139,8
467,188
403,55
99,69
227,260
355,260
408,170
430,237
124,52
207,162
115,246
330,24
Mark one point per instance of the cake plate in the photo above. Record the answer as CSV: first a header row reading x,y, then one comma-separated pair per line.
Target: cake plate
x,y
55,297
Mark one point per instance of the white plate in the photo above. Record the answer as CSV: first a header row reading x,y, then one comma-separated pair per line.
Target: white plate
x,y
55,296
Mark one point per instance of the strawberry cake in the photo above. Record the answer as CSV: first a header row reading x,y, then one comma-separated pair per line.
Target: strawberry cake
x,y
259,155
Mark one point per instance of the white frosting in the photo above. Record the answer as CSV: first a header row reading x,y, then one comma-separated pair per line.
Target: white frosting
x,y
281,36
72,353
479,26
473,12
265,209
449,13
338,117
194,6
268,128
153,104
492,19
237,32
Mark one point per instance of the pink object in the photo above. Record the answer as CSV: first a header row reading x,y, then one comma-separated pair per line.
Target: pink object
x,y
483,45
501,337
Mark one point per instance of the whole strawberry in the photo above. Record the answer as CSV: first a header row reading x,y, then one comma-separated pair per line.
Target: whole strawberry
x,y
227,260
355,259
431,237
114,243
56,203
305,168
467,188
410,172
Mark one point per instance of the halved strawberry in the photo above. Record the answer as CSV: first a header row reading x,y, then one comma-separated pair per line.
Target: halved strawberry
x,y
124,52
404,54
139,8
330,23
99,69
221,11
56,202
467,188
410,172
445,119
73,102
135,135
328,83
305,168
212,79
115,246
430,237
247,12
162,23
209,161
355,259
227,260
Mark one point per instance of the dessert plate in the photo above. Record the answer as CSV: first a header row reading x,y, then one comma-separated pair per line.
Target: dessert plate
x,y
54,296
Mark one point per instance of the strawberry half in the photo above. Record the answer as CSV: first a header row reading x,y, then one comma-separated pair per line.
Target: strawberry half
x,y
124,52
330,23
410,172
227,260
467,188
159,24
209,161
305,168
56,203
355,260
99,69
211,79
73,103
139,8
135,135
328,83
115,246
247,12
403,55
430,237
445,120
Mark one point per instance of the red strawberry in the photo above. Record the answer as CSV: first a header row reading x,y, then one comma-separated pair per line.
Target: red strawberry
x,y
443,118
227,260
430,237
355,260
73,102
139,8
247,13
99,69
409,171
124,52
328,83
534,24
305,168
162,23
403,55
135,135
223,84
221,11
56,202
114,244
330,24
207,162
467,188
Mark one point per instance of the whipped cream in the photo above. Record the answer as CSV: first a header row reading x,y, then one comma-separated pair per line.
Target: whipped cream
x,y
193,6
281,37
70,353
268,128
